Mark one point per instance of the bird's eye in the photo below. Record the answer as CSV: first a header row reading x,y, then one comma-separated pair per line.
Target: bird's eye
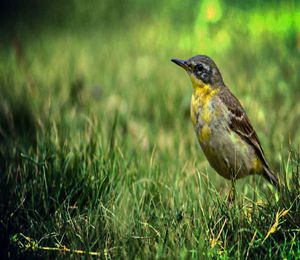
x,y
199,67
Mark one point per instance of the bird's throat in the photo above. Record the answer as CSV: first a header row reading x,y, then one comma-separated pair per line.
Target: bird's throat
x,y
202,94
201,97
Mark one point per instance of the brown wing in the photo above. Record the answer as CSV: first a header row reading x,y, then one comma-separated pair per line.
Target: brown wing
x,y
240,122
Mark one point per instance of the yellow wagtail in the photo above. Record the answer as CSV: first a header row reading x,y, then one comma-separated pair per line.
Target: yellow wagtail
x,y
222,126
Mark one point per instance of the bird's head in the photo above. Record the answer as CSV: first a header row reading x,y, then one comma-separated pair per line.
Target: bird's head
x,y
202,71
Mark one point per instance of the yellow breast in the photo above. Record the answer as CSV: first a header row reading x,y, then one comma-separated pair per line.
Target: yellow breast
x,y
201,98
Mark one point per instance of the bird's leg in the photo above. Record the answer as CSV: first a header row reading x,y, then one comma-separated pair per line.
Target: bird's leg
x,y
231,195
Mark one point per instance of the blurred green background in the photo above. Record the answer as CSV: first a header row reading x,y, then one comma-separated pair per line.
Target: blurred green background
x,y
94,118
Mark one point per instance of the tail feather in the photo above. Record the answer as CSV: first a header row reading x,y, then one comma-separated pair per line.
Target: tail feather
x,y
271,177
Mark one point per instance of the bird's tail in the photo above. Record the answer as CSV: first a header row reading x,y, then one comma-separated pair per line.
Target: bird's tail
x,y
270,176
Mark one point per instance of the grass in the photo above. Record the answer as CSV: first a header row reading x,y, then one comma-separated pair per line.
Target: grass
x,y
97,152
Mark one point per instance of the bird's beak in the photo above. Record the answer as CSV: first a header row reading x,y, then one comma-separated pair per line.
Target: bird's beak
x,y
181,63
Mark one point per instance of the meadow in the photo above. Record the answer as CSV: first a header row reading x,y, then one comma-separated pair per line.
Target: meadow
x,y
98,155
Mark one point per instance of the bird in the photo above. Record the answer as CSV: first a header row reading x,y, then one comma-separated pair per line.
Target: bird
x,y
223,129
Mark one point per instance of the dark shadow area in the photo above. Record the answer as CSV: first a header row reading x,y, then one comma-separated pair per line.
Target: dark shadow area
x,y
32,16
17,122
34,13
